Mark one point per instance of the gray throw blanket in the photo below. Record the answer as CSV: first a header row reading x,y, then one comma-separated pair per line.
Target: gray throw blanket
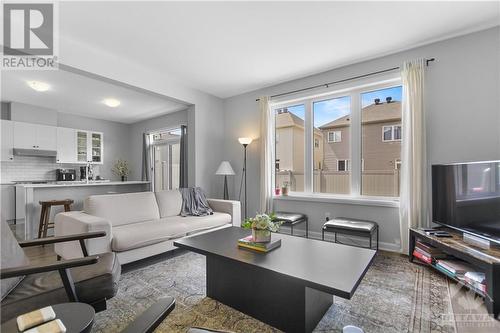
x,y
194,202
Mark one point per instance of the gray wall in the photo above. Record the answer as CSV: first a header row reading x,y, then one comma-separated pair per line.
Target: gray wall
x,y
463,118
207,111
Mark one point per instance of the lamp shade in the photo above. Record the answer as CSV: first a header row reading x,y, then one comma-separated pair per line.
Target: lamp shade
x,y
245,141
225,169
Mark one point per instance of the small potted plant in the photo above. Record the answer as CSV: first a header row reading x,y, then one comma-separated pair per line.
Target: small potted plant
x,y
262,225
121,169
284,188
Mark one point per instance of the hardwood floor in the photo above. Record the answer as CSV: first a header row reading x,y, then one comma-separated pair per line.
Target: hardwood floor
x,y
469,311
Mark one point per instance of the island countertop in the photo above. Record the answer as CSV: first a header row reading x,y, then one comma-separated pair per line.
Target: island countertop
x,y
78,184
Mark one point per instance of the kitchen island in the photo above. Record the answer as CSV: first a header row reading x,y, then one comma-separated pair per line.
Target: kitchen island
x,y
29,195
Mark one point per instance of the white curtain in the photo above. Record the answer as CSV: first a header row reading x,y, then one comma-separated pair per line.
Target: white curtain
x,y
413,210
266,155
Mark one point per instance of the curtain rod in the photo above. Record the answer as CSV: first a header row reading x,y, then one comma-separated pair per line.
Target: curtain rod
x,y
326,85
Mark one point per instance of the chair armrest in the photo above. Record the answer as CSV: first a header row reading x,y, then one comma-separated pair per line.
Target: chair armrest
x,y
230,207
60,239
75,222
59,265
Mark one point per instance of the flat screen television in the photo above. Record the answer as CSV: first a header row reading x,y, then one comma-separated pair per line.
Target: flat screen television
x,y
466,197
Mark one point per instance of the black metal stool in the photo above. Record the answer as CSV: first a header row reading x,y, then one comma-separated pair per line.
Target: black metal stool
x,y
292,219
353,227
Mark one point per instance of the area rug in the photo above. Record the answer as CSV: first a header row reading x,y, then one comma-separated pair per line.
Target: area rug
x,y
395,296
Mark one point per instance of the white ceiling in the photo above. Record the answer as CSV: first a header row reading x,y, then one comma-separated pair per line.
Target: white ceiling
x,y
227,48
81,95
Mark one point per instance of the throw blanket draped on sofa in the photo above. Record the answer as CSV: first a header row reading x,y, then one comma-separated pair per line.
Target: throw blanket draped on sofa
x,y
194,202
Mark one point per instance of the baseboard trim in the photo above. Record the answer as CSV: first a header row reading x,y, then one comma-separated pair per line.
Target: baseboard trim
x,y
390,247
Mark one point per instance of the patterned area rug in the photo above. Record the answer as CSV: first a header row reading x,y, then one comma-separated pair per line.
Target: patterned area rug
x,y
395,296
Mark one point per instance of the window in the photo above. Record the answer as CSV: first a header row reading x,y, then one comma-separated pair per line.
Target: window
x,y
335,136
343,165
290,147
331,118
344,142
391,133
381,110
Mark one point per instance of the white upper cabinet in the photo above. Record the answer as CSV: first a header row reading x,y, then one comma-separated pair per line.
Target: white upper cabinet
x,y
25,135
46,137
7,140
35,136
89,146
66,145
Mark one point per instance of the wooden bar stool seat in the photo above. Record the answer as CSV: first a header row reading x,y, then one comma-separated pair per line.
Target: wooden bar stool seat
x,y
45,224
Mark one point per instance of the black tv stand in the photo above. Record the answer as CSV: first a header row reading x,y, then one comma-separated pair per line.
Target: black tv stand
x,y
487,260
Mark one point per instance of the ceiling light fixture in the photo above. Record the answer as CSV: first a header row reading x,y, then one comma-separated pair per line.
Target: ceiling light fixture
x,y
111,102
38,85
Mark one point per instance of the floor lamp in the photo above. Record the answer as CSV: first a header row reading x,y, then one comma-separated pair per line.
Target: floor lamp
x,y
245,142
225,170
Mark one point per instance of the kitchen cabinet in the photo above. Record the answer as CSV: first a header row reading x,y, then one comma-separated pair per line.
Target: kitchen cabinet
x,y
89,146
7,140
66,145
34,136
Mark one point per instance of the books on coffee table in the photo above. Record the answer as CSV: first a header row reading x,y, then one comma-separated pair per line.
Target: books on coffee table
x,y
249,243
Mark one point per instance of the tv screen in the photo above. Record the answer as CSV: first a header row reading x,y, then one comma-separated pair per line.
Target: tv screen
x,y
466,196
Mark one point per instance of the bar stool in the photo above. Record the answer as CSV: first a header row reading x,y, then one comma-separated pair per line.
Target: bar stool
x,y
45,214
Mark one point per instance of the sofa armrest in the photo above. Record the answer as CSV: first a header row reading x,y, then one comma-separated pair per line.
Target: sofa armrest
x,y
76,222
230,207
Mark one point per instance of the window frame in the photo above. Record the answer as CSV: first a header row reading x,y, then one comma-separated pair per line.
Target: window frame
x,y
393,131
347,166
334,140
354,92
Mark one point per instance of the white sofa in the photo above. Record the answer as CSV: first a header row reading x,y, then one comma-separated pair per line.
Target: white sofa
x,y
138,225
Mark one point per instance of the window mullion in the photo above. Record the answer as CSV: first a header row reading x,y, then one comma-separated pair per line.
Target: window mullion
x,y
355,143
308,147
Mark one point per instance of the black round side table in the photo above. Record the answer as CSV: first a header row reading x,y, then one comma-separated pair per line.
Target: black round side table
x,y
77,317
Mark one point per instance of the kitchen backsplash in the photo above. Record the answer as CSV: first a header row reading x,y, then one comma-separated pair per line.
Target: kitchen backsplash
x,y
32,168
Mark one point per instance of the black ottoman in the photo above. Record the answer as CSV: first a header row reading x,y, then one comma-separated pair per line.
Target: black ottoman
x,y
353,227
292,219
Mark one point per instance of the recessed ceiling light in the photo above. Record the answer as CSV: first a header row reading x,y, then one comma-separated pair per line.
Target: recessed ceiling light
x,y
38,85
111,102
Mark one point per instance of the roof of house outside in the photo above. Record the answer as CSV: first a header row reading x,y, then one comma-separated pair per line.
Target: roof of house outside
x,y
288,119
372,113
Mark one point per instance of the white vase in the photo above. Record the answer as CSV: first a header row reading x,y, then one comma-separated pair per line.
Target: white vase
x,y
261,236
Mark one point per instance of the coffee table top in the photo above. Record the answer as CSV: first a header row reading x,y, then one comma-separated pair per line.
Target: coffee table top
x,y
333,268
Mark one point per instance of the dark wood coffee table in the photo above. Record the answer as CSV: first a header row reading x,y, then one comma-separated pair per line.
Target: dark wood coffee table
x,y
290,287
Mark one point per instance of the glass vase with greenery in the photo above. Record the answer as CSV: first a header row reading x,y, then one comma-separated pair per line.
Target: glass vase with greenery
x,y
121,169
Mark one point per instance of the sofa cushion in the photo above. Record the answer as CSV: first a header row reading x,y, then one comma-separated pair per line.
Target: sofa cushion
x,y
135,235
199,223
169,202
92,283
124,208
